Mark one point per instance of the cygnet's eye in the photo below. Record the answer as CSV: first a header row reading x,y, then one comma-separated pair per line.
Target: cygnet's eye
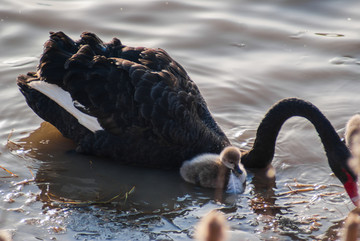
x,y
229,165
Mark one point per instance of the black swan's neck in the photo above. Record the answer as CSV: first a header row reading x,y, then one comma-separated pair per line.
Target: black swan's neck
x,y
263,150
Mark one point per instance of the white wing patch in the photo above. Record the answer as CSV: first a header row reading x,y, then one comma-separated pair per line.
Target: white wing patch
x,y
63,98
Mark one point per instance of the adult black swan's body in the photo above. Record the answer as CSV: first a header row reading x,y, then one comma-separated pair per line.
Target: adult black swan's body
x,y
137,105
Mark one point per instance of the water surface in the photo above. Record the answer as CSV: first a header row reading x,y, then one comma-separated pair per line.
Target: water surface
x,y
244,56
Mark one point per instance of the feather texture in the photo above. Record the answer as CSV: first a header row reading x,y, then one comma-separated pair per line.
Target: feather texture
x,y
138,105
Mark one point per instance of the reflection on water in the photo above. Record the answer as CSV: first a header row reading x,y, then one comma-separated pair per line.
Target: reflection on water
x,y
67,174
67,178
78,188
244,57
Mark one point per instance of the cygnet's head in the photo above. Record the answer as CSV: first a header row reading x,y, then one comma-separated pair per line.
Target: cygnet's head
x,y
212,227
352,224
231,157
5,235
352,140
352,134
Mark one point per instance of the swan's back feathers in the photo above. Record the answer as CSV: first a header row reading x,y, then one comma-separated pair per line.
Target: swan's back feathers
x,y
121,93
138,92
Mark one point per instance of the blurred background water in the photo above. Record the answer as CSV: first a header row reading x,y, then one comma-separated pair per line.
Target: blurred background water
x,y
244,56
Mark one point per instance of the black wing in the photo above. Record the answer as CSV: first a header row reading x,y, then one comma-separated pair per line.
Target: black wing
x,y
135,93
138,90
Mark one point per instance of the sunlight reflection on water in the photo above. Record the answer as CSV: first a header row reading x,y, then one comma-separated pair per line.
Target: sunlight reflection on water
x,y
244,57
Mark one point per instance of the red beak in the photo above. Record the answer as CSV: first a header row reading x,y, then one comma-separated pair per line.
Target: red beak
x,y
351,188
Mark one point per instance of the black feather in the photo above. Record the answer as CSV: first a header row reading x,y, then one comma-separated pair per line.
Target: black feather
x,y
142,98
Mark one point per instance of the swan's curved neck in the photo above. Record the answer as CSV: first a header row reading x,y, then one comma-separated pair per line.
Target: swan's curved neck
x,y
338,154
262,152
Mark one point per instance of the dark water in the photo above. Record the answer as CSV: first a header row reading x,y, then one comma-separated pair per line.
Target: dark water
x,y
244,56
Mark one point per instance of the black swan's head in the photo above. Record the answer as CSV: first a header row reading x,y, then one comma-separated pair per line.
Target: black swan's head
x,y
338,154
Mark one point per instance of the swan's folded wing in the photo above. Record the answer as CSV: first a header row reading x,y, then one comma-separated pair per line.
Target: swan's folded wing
x,y
153,97
133,91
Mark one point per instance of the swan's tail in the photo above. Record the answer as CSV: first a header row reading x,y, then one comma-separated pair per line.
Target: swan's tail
x,y
46,90
58,105
60,51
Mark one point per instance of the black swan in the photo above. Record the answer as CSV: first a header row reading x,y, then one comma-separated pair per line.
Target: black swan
x,y
139,106
211,170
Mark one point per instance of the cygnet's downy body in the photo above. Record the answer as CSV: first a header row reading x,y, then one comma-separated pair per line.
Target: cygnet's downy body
x,y
216,171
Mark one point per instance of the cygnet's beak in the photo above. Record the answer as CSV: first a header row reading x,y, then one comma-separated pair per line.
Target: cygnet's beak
x,y
238,170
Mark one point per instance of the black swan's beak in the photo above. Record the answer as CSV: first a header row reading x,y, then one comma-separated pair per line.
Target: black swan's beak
x,y
351,188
